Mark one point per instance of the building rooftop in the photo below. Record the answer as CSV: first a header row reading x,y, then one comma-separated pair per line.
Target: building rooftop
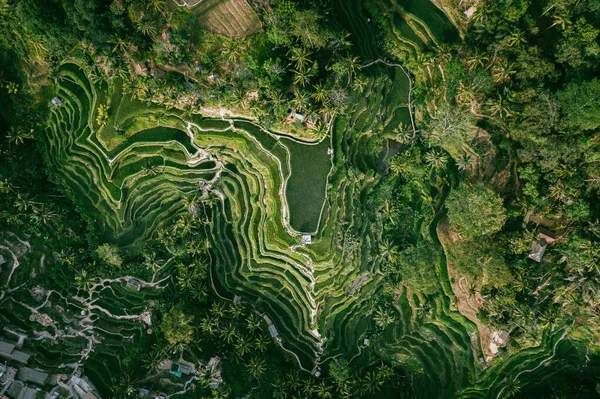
x,y
56,101
537,250
8,351
27,374
237,299
306,239
134,284
2,260
273,331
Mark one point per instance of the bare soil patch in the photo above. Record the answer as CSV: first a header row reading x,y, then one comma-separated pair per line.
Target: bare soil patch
x,y
469,302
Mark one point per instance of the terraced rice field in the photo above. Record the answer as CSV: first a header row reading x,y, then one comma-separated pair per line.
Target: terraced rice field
x,y
320,296
233,18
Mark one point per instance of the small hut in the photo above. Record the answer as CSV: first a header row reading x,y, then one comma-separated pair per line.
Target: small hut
x,y
134,284
306,239
57,101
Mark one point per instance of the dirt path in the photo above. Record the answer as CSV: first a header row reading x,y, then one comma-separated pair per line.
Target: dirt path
x,y
468,303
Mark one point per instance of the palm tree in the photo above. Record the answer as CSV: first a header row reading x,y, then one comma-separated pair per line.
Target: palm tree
x,y
499,108
208,325
146,28
301,59
562,20
321,93
242,346
371,382
404,133
261,343
464,161
83,282
476,60
383,318
351,65
301,77
300,101
293,380
465,94
502,72
323,391
516,38
256,368
388,250
151,262
157,6
252,323
236,310
228,333
217,310
120,45
436,159
44,214
18,136
153,360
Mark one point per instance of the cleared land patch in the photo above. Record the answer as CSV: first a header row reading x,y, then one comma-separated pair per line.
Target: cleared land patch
x,y
233,18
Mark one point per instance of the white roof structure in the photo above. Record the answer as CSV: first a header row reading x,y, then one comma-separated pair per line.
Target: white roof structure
x,y
237,299
470,11
306,239
57,102
366,342
273,331
2,260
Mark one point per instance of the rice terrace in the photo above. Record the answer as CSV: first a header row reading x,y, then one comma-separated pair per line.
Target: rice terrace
x,y
285,198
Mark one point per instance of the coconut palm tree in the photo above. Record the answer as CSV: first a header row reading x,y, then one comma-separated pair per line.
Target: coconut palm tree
x,y
516,38
388,250
383,318
476,61
371,382
146,28
157,6
253,323
301,58
242,346
321,93
502,72
323,391
256,367
208,325
217,310
351,66
83,282
464,161
228,333
301,77
261,344
436,159
151,262
18,136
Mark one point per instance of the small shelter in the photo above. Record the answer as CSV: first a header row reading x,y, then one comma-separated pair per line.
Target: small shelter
x,y
2,260
57,101
306,239
295,116
237,299
134,284
273,331
366,342
537,250
470,11
500,338
213,77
